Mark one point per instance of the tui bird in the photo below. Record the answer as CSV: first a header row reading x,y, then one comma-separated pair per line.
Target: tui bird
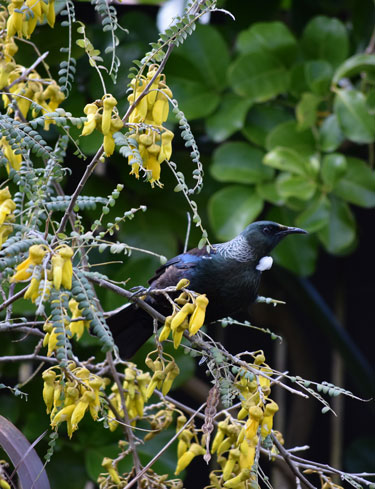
x,y
229,274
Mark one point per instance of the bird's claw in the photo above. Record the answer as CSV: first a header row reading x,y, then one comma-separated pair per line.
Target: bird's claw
x,y
139,291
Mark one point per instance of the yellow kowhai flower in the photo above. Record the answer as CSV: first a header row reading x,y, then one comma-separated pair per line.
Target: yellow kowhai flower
x,y
15,20
233,458
188,456
36,255
111,469
5,231
197,318
33,290
237,481
7,206
255,416
77,327
267,421
62,267
49,377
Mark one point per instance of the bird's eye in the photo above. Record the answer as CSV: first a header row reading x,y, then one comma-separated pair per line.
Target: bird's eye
x,y
267,230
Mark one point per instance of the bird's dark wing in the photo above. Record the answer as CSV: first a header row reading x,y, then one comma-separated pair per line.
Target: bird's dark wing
x,y
173,270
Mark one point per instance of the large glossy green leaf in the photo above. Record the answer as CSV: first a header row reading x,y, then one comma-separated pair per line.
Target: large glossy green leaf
x,y
207,51
330,134
339,233
357,186
316,215
287,159
355,65
296,253
239,162
298,186
229,117
327,39
272,37
306,110
298,83
268,191
318,76
261,119
355,119
288,135
195,99
231,209
259,76
334,167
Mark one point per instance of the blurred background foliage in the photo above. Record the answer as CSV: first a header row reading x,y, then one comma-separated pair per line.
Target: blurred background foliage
x,y
282,104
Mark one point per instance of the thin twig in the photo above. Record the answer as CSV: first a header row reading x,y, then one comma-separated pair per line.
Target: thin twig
x,y
29,70
165,447
288,460
13,298
127,429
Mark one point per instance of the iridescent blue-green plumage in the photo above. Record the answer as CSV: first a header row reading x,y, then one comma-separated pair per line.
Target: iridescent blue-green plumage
x,y
229,274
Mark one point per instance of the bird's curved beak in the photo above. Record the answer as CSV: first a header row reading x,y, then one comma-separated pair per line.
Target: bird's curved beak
x,y
285,230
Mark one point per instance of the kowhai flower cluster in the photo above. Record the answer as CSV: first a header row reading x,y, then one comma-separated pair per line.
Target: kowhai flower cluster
x,y
70,394
23,16
135,386
57,270
165,371
154,143
189,311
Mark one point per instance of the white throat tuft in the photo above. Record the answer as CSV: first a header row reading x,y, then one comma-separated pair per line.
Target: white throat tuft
x,y
265,263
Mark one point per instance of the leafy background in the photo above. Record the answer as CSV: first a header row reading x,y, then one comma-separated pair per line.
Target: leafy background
x,y
282,104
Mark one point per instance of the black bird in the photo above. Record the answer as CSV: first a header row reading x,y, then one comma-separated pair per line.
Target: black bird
x,y
229,275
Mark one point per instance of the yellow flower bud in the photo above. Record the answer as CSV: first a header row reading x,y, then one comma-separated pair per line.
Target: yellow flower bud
x,y
109,144
112,471
236,482
180,317
233,457
188,456
109,102
197,318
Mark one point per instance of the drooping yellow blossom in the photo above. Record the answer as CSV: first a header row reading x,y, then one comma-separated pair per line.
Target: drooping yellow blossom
x,y
7,206
24,16
103,116
36,255
267,422
255,416
62,267
197,318
111,469
188,456
77,327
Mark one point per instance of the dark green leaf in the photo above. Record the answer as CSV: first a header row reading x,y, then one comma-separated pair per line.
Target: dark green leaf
x,y
315,216
261,119
195,99
357,186
298,82
333,168
330,135
213,56
239,162
339,234
353,115
231,209
318,76
229,117
355,65
258,76
306,111
326,38
288,135
268,191
298,186
270,37
287,159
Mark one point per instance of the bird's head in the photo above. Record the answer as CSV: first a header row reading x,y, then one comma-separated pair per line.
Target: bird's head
x,y
263,236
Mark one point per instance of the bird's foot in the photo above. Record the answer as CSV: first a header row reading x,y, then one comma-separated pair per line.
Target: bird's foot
x,y
139,291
